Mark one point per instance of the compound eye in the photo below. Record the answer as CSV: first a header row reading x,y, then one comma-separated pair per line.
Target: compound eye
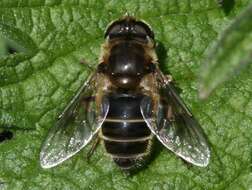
x,y
144,29
140,30
114,30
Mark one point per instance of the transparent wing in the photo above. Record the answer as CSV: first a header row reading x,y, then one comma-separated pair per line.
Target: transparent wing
x,y
175,127
76,126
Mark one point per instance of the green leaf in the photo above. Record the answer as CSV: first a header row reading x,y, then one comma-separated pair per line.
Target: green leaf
x,y
232,53
37,84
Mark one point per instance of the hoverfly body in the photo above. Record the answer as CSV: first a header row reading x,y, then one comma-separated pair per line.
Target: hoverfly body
x,y
125,103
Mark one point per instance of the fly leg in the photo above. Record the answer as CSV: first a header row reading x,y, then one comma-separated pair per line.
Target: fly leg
x,y
86,64
94,146
169,78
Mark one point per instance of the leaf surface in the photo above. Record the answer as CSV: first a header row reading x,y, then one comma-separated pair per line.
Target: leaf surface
x,y
231,54
37,84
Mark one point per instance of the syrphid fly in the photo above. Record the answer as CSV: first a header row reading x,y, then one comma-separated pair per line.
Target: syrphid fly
x,y
126,102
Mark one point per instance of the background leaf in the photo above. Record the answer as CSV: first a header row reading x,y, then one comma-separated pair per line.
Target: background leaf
x,y
36,85
231,53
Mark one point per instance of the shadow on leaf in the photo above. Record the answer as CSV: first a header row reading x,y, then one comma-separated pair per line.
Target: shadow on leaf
x,y
5,135
227,5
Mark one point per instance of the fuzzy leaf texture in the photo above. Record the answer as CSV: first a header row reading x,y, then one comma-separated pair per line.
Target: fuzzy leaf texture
x,y
38,81
231,54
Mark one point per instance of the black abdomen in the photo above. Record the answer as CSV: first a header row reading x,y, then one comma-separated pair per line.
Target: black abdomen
x,y
126,135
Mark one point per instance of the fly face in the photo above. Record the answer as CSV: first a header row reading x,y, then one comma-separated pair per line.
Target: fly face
x,y
129,100
129,28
